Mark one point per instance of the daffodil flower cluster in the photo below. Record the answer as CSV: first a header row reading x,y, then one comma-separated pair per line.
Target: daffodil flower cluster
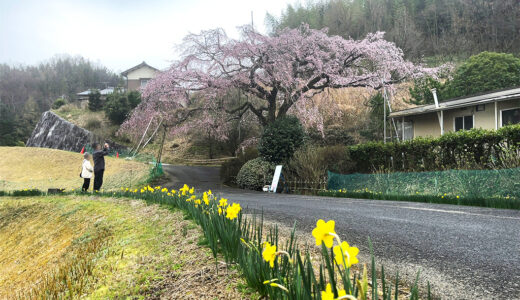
x,y
230,212
343,253
324,234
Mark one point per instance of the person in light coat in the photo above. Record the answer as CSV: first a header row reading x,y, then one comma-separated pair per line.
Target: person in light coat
x,y
86,171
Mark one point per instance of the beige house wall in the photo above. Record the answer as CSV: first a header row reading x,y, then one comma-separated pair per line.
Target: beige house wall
x,y
133,85
144,72
425,125
428,124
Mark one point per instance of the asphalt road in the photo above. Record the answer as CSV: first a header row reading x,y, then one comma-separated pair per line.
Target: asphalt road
x,y
464,252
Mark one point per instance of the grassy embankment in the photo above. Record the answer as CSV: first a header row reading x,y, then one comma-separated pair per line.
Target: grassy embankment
x,y
23,168
105,248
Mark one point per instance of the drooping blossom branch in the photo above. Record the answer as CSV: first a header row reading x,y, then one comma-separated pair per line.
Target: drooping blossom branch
x,y
274,72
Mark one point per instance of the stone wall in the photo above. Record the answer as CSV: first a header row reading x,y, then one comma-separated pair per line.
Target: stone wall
x,y
55,132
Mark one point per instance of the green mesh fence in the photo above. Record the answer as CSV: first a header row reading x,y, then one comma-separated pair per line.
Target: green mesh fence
x,y
503,183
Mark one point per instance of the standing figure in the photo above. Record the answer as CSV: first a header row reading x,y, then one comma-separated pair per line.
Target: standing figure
x,y
99,164
86,171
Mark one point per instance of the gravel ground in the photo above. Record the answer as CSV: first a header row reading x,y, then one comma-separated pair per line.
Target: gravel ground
x,y
464,252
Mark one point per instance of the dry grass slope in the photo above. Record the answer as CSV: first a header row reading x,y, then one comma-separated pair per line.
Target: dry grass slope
x,y
42,168
105,248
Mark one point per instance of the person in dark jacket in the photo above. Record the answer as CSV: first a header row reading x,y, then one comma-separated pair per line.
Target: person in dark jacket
x,y
99,164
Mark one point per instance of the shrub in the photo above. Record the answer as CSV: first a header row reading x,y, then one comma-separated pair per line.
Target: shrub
x,y
92,123
333,135
59,103
94,100
27,192
280,139
421,93
484,72
117,107
373,129
230,168
254,174
134,98
453,150
311,163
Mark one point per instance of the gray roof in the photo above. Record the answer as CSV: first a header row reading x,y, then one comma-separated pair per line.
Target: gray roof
x,y
460,102
104,92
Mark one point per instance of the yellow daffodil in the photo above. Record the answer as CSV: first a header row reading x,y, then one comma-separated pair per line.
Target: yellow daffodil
x,y
169,194
173,191
222,202
269,254
345,255
164,190
219,211
276,285
192,190
458,197
197,201
205,198
232,211
327,294
324,232
184,189
209,192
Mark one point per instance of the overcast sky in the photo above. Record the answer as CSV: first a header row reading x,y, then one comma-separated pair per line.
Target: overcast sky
x,y
117,33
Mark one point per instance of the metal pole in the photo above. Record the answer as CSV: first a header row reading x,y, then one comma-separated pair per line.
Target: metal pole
x,y
384,113
402,133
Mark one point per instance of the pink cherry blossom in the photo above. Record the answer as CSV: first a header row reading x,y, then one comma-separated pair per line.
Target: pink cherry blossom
x,y
279,74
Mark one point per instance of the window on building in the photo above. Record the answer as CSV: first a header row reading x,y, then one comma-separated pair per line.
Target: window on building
x,y
510,116
463,123
407,130
144,82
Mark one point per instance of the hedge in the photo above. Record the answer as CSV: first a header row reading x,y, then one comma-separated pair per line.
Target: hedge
x,y
479,146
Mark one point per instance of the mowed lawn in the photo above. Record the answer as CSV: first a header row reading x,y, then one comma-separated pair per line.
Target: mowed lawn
x,y
105,248
42,168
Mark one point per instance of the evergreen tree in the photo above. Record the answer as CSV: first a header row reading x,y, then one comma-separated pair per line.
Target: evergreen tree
x,y
94,100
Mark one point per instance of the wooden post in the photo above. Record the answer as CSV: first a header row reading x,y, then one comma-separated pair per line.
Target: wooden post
x,y
159,156
496,116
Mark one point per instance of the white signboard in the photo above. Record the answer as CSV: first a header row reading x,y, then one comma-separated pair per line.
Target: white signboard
x,y
276,178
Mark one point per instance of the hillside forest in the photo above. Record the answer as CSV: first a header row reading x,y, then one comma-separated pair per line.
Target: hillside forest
x,y
432,32
445,29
